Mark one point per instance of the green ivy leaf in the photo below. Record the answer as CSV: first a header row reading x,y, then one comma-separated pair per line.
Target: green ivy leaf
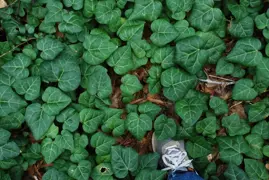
x,y
70,119
10,101
29,87
17,67
148,162
102,143
243,90
214,46
9,150
65,140
80,171
33,152
183,29
235,125
12,121
164,56
256,112
53,174
121,60
124,159
4,49
55,11
232,148
139,47
7,164
241,28
98,48
91,119
130,85
262,72
4,136
154,84
38,120
246,52
99,83
219,105
50,150
47,27
113,122
6,79
178,8
64,70
190,110
255,169
185,132
72,23
176,83
224,68
262,21
79,154
190,54
150,175
102,171
106,12
55,100
255,142
131,30
89,8
163,32
265,150
75,4
204,16
261,128
50,48
52,131
233,172
150,109
239,11
207,126
198,147
164,127
138,125
148,10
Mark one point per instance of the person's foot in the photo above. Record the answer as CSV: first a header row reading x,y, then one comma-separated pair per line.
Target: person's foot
x,y
174,155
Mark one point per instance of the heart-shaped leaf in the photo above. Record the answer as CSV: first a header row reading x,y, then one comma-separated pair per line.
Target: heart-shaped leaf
x,y
243,90
190,54
163,32
80,171
176,83
138,125
124,159
164,127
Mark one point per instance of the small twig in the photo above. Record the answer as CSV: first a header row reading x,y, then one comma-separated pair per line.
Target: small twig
x,y
2,55
220,78
236,104
216,82
138,101
158,101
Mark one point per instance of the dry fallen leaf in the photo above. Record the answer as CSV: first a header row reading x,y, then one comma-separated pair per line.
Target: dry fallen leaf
x,y
3,4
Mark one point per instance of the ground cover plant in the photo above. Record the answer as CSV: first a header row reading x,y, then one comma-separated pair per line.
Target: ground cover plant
x,y
85,83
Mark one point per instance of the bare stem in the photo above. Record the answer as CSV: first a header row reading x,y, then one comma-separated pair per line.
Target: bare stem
x,y
2,55
216,82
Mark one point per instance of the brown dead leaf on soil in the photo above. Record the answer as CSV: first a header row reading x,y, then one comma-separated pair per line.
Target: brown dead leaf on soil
x,y
238,107
142,147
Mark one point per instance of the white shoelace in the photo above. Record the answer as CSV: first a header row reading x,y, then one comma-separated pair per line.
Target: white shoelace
x,y
174,159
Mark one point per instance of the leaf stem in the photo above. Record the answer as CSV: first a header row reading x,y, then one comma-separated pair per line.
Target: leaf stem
x,y
16,47
216,82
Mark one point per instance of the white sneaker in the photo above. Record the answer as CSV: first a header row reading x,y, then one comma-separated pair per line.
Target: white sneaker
x,y
174,155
